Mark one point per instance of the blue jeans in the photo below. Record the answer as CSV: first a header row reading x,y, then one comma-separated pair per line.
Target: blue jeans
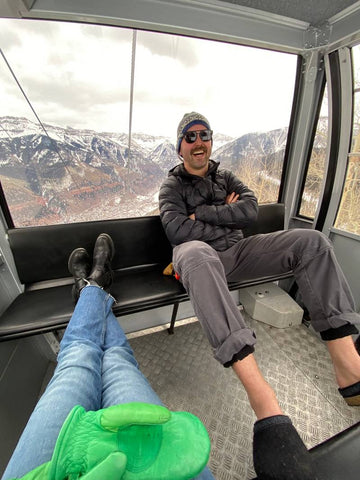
x,y
96,369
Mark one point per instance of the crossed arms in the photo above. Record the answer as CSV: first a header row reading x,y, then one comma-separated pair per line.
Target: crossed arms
x,y
209,221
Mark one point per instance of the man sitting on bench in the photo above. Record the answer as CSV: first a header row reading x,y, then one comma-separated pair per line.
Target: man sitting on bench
x,y
132,435
203,210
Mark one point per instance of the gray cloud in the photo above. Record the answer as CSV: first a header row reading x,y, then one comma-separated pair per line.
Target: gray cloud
x,y
9,39
114,34
75,97
172,46
13,32
145,97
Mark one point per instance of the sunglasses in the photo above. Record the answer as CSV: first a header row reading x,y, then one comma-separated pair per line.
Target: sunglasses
x,y
205,135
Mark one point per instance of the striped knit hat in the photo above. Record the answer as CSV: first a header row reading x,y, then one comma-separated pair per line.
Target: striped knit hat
x,y
188,120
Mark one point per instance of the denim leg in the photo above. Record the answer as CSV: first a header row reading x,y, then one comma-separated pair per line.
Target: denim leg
x,y
76,381
122,380
88,322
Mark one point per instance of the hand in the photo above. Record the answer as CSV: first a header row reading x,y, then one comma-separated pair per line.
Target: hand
x,y
134,440
231,198
192,216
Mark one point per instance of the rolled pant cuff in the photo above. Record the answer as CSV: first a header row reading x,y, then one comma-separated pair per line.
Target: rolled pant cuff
x,y
340,332
247,350
237,341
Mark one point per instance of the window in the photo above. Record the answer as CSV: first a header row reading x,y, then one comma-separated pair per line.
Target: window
x,y
89,116
348,217
316,167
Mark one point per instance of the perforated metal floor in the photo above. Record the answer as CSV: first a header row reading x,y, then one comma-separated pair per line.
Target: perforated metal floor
x,y
294,361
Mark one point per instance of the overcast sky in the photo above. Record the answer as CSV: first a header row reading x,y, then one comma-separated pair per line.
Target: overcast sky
x,y
79,76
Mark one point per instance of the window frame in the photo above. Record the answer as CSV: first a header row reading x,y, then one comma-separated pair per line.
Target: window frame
x,y
349,153
309,152
6,211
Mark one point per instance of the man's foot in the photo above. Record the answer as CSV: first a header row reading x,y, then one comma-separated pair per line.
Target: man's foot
x,y
351,394
346,363
79,267
104,251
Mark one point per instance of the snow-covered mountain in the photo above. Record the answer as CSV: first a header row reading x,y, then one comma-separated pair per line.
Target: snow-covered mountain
x,y
60,175
256,148
54,172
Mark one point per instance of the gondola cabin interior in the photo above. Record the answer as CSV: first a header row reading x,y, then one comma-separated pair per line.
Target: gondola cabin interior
x,y
91,96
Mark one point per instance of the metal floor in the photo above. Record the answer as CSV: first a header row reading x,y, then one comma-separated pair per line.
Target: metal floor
x,y
294,361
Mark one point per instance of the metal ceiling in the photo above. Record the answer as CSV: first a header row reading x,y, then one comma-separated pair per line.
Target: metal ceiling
x,y
310,11
285,25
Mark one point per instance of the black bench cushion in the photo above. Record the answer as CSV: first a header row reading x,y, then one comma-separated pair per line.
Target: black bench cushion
x,y
270,219
41,253
46,309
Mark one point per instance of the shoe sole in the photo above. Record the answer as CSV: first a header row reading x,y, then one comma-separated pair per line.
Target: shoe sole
x,y
353,401
73,253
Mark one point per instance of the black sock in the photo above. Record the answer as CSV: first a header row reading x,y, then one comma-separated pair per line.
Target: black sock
x,y
351,390
278,451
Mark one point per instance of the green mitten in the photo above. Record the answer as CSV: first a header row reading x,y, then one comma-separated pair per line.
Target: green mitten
x,y
133,441
157,444
111,468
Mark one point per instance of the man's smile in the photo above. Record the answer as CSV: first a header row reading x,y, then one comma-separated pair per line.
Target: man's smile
x,y
199,152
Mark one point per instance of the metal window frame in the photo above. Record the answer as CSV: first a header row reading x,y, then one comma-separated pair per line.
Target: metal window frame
x,y
310,87
340,77
334,140
319,95
291,131
5,211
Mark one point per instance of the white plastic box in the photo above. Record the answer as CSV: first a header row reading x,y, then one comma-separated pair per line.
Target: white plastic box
x,y
269,304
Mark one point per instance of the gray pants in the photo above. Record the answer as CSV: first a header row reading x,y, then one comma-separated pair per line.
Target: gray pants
x,y
204,273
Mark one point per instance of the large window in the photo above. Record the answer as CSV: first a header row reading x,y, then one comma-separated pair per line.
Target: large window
x,y
348,217
88,116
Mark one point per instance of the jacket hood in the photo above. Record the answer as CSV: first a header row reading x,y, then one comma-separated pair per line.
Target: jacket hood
x,y
180,171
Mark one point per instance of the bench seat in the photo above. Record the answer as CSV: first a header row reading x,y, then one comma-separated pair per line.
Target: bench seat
x,y
48,309
142,252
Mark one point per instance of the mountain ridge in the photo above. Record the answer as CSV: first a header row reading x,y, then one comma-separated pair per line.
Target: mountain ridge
x,y
60,174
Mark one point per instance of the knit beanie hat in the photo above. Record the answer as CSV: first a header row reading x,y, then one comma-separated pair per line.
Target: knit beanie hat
x,y
188,120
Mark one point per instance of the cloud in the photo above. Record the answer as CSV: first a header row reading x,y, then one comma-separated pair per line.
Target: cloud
x,y
79,96
79,75
111,34
170,46
9,38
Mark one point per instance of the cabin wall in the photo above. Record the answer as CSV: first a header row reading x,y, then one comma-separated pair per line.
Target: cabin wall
x,y
23,367
9,283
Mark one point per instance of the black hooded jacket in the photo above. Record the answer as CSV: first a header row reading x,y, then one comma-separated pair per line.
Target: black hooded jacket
x,y
216,223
